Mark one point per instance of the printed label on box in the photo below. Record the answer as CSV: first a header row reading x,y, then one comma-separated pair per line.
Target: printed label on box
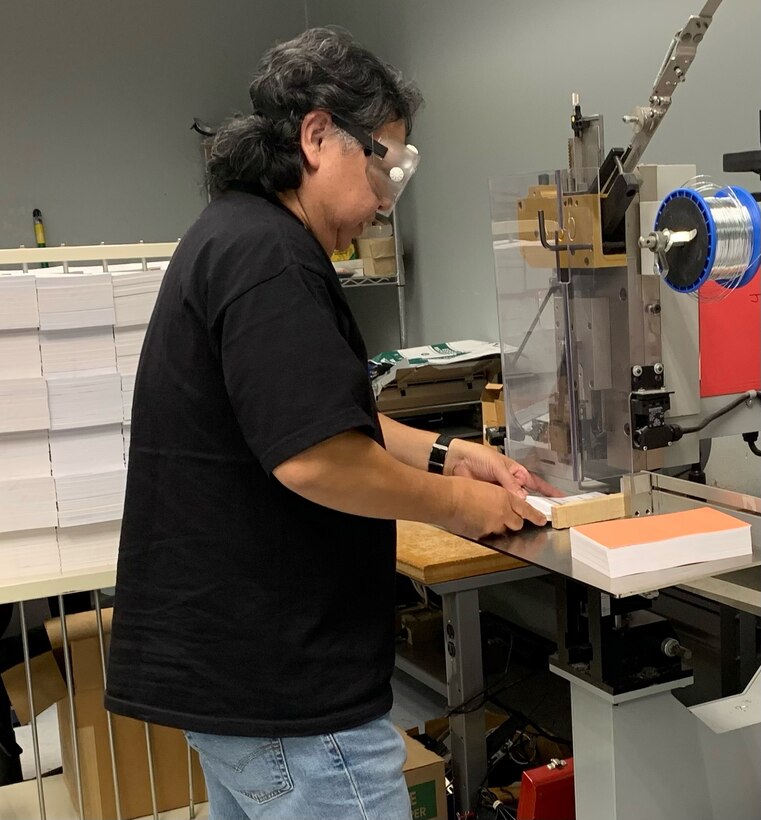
x,y
423,800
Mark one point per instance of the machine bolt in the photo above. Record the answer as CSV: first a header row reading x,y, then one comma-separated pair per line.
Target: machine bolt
x,y
658,368
654,308
637,371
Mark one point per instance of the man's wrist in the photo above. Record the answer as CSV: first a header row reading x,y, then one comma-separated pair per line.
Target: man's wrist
x,y
456,454
438,456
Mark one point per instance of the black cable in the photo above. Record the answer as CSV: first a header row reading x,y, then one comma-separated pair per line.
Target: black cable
x,y
485,693
750,439
750,395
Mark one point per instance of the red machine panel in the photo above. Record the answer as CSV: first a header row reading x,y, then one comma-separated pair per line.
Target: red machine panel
x,y
547,792
730,339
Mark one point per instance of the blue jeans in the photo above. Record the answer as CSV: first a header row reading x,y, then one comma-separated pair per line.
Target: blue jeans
x,y
355,774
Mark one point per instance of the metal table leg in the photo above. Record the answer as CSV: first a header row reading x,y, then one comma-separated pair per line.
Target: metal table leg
x,y
30,698
465,679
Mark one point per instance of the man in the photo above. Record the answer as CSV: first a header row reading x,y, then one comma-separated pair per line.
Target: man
x,y
255,591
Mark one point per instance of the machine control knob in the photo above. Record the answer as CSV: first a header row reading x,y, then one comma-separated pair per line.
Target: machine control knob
x,y
671,648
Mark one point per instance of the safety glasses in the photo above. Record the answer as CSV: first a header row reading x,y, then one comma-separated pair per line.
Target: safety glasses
x,y
390,165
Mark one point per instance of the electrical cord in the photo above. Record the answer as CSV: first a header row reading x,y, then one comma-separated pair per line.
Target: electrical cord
x,y
748,396
465,707
750,439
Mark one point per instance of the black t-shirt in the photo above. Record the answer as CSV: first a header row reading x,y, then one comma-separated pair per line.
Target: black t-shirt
x,y
242,608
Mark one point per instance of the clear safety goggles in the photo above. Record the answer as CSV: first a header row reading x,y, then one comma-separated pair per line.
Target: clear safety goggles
x,y
390,165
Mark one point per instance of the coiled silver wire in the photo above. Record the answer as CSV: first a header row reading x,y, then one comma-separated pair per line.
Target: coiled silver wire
x,y
734,238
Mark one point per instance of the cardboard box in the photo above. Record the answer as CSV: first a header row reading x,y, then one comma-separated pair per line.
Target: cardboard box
x,y
379,267
376,248
492,407
424,773
168,745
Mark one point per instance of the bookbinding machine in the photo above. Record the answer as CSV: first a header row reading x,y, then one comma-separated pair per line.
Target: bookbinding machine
x,y
630,320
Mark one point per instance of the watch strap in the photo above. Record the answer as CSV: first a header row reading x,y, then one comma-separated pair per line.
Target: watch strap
x,y
439,454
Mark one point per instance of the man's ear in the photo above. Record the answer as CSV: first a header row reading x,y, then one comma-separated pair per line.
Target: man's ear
x,y
314,128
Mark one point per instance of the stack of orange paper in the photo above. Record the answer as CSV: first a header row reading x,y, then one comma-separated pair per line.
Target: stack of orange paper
x,y
631,545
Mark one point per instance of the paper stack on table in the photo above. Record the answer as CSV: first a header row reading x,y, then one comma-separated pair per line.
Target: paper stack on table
x,y
24,455
85,400
71,351
19,354
129,343
69,348
135,295
90,498
94,545
27,503
23,405
631,545
545,505
29,552
90,450
75,300
18,302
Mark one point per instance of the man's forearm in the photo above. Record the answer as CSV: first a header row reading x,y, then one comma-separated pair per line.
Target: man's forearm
x,y
407,444
353,474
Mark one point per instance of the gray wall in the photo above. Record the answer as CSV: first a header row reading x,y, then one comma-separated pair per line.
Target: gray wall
x,y
96,100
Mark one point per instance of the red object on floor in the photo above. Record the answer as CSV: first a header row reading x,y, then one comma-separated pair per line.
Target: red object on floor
x,y
547,793
730,339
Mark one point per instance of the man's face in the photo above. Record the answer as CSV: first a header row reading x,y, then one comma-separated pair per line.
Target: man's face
x,y
349,197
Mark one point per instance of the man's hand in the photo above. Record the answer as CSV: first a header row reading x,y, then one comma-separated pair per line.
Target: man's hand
x,y
481,509
475,461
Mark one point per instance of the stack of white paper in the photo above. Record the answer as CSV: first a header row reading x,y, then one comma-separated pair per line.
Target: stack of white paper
x,y
91,450
75,300
23,405
544,505
128,392
85,400
27,504
129,343
135,294
94,545
19,354
71,351
18,302
29,553
24,455
91,498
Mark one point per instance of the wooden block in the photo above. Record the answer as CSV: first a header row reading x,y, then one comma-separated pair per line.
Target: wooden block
x,y
588,512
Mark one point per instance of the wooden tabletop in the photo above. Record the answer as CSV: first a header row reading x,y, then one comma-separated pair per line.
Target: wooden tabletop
x,y
431,556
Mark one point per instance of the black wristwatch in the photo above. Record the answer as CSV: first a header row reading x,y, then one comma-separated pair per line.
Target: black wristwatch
x,y
439,454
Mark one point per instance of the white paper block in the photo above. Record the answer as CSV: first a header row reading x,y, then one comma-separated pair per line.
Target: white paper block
x,y
72,351
29,553
135,295
18,302
23,405
24,455
129,343
94,545
128,393
19,354
27,504
89,450
91,498
75,300
85,400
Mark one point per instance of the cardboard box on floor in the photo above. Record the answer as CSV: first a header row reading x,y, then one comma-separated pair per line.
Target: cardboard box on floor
x,y
169,750
424,773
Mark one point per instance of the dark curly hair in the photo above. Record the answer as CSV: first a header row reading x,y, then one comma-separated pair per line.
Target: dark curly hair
x,y
323,68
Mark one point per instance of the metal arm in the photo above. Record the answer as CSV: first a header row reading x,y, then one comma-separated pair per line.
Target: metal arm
x,y
646,119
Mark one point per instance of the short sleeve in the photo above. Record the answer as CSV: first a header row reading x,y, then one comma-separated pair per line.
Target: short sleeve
x,y
292,377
